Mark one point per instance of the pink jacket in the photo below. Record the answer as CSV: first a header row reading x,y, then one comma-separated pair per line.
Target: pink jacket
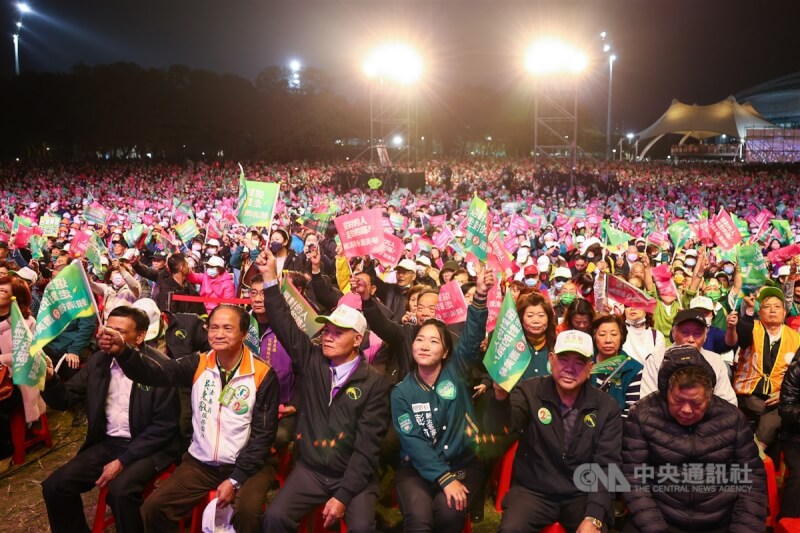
x,y
218,287
34,406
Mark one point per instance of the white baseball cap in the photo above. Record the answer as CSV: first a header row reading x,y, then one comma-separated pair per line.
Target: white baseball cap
x,y
701,302
424,260
28,274
408,264
576,341
346,317
785,270
563,272
153,314
216,261
213,242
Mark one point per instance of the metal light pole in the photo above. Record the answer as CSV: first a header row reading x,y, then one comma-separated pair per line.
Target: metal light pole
x,y
15,38
611,60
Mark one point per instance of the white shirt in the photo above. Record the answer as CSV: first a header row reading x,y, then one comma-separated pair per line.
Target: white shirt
x,y
118,403
722,389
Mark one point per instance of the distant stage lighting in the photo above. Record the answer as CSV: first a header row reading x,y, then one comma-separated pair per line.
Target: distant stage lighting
x,y
294,65
551,56
24,8
397,62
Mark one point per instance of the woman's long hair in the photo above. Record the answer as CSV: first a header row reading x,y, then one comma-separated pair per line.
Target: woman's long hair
x,y
532,300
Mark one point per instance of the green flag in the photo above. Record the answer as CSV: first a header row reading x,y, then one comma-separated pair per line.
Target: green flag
x,y
508,355
187,230
753,265
783,230
133,235
37,244
94,251
477,228
679,232
252,340
610,365
257,202
28,367
301,310
741,225
66,298
49,225
613,236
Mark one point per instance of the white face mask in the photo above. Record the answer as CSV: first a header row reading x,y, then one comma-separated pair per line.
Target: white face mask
x,y
212,272
211,251
117,280
196,247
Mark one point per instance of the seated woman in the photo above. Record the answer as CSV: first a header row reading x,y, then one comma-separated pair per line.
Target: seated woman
x,y
432,413
579,315
539,326
623,377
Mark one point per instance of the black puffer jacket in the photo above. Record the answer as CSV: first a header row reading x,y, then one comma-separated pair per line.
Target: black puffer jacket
x,y
789,408
654,438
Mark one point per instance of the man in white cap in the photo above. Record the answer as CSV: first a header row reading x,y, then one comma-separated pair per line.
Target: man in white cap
x,y
565,424
393,295
343,414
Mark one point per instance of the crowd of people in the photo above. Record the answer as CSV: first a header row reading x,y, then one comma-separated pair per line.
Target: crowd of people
x,y
662,362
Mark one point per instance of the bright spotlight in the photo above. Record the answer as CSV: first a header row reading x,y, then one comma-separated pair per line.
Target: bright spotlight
x,y
603,35
294,65
397,62
24,8
19,25
629,136
397,141
551,56
606,47
612,58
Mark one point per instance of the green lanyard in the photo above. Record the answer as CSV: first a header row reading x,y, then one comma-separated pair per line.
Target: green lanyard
x,y
226,395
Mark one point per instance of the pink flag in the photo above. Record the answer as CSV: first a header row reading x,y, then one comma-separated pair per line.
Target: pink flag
x,y
628,295
23,236
663,280
79,244
452,308
494,304
724,231
497,256
782,255
438,220
392,251
443,238
361,232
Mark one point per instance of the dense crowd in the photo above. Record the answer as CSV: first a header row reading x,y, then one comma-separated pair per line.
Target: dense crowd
x,y
653,347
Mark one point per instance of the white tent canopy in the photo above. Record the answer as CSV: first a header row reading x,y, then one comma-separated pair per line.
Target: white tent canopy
x,y
703,121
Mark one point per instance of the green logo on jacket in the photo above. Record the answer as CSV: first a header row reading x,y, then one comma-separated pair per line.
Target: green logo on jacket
x,y
446,389
404,421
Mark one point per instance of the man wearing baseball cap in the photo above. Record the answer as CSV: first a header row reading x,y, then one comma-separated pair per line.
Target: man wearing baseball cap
x,y
564,424
343,413
690,327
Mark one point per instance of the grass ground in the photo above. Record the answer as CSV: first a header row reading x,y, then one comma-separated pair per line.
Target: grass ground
x,y
22,506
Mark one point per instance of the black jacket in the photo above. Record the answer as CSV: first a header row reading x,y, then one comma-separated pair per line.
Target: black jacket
x,y
789,407
153,414
542,464
340,440
166,286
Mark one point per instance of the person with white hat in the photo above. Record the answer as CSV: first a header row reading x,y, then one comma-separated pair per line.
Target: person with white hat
x,y
343,414
215,282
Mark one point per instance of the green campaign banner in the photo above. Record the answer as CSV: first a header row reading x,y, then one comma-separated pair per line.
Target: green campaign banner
x,y
37,244
301,310
187,230
252,340
133,235
49,225
66,298
753,266
613,236
94,251
257,202
96,213
28,367
508,355
477,228
610,365
679,232
783,230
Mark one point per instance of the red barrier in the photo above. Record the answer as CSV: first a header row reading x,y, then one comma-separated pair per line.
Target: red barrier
x,y
202,299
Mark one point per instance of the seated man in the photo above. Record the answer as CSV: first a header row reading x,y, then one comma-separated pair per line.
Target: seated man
x,y
691,328
789,409
132,432
234,403
690,457
563,424
343,413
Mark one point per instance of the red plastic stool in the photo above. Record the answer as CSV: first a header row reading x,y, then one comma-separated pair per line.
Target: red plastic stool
x,y
19,431
504,481
101,522
772,492
788,525
284,466
197,512
554,528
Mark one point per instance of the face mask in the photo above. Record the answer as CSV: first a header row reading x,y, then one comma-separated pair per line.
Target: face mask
x,y
275,247
679,279
723,291
632,258
567,299
690,262
714,295
530,282
558,285
728,270
117,280
211,251
636,323
212,272
554,253
640,248
196,247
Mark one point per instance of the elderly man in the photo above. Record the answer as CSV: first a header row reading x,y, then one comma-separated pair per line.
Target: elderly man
x,y
690,457
564,423
690,327
343,413
234,399
766,348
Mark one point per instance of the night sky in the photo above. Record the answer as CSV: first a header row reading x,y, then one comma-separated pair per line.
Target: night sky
x,y
698,51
